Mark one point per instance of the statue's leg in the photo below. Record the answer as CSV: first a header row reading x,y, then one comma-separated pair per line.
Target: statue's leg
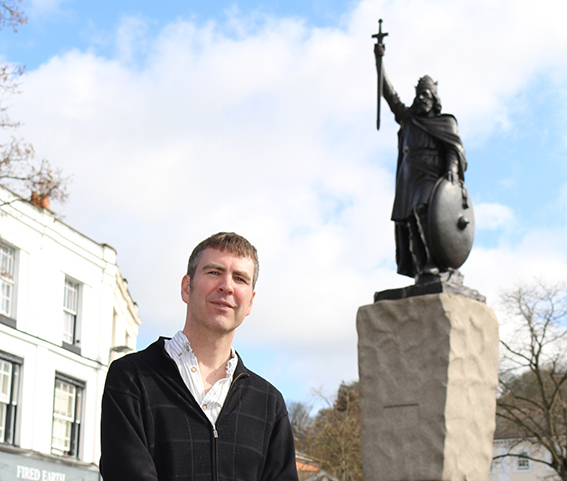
x,y
404,259
429,267
417,249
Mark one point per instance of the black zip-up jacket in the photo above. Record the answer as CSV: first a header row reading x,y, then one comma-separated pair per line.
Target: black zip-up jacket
x,y
153,429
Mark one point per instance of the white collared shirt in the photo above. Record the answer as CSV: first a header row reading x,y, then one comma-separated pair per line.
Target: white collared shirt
x,y
180,350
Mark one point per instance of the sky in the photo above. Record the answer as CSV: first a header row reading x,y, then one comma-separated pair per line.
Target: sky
x,y
179,120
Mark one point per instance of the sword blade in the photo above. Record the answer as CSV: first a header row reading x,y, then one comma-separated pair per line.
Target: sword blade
x,y
379,92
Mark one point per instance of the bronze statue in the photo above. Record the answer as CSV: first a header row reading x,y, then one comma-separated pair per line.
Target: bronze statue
x,y
434,223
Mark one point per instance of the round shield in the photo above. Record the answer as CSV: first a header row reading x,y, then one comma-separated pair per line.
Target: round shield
x,y
451,223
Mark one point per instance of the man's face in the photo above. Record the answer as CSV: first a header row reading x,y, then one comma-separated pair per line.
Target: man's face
x,y
424,101
220,295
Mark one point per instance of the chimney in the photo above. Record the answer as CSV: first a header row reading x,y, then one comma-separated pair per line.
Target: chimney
x,y
40,200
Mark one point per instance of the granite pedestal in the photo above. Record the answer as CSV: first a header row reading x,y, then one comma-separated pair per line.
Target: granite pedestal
x,y
428,370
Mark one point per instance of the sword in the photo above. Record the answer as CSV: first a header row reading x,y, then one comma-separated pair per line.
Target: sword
x,y
379,37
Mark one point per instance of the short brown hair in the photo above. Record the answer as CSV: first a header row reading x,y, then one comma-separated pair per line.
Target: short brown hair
x,y
225,242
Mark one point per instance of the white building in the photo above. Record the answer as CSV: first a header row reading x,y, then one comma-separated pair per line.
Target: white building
x,y
521,467
65,312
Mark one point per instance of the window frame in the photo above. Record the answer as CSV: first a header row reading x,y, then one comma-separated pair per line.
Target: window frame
x,y
8,280
75,421
523,463
71,340
10,416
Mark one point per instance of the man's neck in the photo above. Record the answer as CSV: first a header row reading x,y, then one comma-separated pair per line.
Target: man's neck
x,y
212,353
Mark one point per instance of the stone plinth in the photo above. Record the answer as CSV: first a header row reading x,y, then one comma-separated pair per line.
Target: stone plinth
x,y
428,369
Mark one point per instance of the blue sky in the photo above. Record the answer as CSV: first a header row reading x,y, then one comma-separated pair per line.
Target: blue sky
x,y
55,26
189,118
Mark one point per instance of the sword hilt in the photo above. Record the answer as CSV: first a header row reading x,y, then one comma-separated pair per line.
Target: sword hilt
x,y
380,36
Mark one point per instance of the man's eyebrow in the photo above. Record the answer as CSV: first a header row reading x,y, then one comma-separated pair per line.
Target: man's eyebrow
x,y
213,265
243,274
219,267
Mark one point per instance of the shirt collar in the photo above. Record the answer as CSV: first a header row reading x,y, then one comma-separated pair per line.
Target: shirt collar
x,y
182,346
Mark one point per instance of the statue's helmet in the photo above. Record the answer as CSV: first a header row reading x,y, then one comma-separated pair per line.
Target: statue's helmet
x,y
427,83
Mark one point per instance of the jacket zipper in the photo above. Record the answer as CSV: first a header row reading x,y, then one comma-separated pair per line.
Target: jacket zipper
x,y
215,470
215,454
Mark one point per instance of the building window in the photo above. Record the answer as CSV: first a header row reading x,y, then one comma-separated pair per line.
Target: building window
x,y
10,367
70,312
67,412
7,261
523,462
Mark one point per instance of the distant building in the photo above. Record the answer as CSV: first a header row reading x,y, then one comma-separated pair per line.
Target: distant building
x,y
308,469
65,312
306,466
519,468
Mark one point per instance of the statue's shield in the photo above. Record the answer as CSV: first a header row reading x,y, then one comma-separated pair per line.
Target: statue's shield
x,y
451,223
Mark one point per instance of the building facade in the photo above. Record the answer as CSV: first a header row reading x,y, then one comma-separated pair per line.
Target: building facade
x,y
65,313
519,467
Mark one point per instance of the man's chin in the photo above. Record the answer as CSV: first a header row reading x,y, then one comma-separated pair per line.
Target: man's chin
x,y
224,323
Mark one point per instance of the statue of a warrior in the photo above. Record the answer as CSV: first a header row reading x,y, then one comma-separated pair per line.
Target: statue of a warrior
x,y
430,150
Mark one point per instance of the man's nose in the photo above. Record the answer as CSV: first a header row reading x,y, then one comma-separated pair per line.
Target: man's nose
x,y
225,284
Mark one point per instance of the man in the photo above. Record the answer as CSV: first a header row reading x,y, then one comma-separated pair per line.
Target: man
x,y
187,408
429,147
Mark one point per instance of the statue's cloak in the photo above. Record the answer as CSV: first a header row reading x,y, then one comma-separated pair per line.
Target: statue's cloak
x,y
444,128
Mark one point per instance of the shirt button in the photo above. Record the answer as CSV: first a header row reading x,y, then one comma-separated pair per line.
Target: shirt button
x,y
204,407
193,369
187,348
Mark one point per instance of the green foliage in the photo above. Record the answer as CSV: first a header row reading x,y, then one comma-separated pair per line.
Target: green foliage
x,y
332,437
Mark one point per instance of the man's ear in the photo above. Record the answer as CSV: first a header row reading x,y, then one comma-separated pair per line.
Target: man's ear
x,y
251,302
185,288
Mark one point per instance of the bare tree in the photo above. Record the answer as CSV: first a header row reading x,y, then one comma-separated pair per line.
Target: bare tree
x,y
11,14
19,169
301,425
532,402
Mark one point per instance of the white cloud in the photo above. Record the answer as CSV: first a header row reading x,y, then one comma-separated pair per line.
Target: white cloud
x,y
538,254
130,38
42,7
492,216
269,131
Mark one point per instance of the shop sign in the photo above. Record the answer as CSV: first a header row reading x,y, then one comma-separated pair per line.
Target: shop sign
x,y
34,474
31,467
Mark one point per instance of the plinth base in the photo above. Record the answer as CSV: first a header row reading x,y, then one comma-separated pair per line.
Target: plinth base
x,y
450,282
428,369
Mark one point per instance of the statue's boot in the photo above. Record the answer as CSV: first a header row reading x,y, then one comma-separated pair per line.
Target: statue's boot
x,y
429,267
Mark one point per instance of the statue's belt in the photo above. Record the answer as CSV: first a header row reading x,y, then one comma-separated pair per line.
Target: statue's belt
x,y
427,159
414,151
